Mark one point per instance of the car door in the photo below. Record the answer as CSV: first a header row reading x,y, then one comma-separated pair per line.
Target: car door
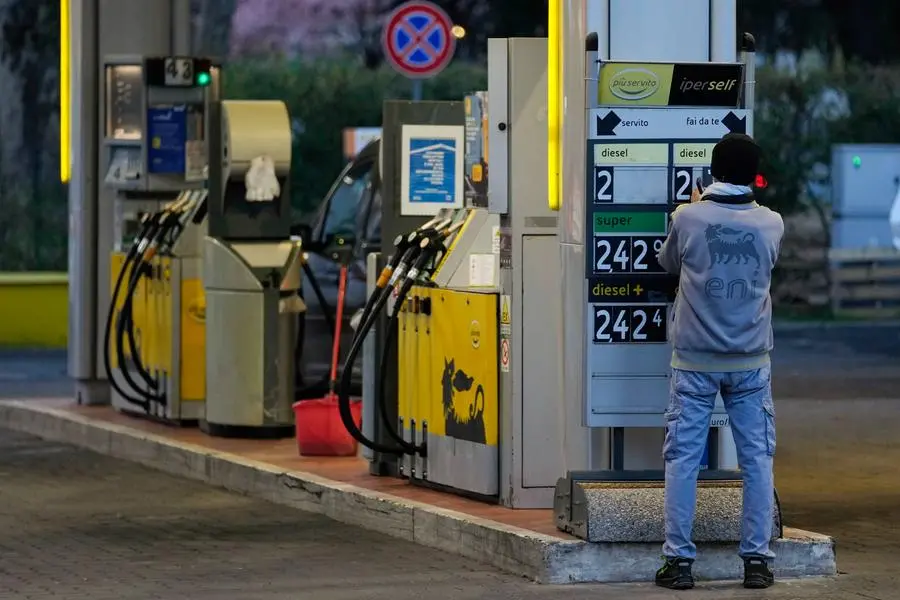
x,y
333,239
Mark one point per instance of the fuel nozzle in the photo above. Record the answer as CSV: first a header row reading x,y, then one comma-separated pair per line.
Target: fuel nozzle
x,y
428,247
405,246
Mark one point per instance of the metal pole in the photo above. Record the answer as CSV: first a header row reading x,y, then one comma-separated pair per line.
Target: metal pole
x,y
417,90
180,32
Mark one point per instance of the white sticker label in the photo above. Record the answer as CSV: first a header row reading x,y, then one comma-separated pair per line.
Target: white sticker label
x,y
481,270
504,355
495,240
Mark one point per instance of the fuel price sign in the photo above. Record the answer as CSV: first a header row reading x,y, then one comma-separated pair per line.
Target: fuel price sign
x,y
630,324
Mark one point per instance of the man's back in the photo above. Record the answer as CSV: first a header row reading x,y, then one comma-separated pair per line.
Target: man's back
x,y
726,247
723,246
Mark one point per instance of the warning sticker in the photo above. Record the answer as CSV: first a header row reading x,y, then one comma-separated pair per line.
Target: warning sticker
x,y
504,355
505,316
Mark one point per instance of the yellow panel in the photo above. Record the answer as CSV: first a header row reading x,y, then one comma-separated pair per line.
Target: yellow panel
x,y
165,318
143,344
193,340
44,294
144,330
423,390
411,364
406,363
116,262
464,366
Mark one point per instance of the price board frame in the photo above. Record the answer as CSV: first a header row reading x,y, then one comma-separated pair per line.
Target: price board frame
x,y
642,163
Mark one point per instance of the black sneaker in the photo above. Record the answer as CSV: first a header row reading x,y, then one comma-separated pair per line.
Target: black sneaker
x,y
675,574
757,575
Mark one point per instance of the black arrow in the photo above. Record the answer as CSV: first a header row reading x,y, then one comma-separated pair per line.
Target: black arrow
x,y
606,125
734,123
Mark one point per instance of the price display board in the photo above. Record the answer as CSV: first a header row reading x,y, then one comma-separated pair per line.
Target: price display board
x,y
641,164
630,323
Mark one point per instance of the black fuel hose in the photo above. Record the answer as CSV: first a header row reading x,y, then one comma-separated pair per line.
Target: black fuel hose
x,y
366,324
150,227
400,247
407,248
125,325
427,254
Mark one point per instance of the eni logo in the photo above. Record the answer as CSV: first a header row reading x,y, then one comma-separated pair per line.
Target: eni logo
x,y
634,84
475,334
197,311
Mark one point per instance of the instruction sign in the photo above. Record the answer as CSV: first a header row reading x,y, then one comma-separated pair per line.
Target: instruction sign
x,y
432,174
167,135
664,123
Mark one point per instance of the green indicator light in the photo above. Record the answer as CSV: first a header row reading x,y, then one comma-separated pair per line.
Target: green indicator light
x,y
203,78
857,162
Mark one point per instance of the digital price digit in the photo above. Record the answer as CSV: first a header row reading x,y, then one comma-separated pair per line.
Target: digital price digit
x,y
610,260
627,254
639,321
603,184
682,184
625,324
643,254
611,324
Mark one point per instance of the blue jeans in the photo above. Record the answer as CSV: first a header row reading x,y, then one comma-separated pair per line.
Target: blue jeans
x,y
748,400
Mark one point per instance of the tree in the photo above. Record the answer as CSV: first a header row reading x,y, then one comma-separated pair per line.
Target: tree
x,y
863,32
34,202
212,34
30,46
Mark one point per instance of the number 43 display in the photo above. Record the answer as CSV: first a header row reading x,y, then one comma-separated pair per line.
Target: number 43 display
x,y
179,71
630,324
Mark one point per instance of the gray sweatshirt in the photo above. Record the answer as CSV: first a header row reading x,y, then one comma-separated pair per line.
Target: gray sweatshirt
x,y
723,248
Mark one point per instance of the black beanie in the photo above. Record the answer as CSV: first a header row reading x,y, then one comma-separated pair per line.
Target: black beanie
x,y
735,159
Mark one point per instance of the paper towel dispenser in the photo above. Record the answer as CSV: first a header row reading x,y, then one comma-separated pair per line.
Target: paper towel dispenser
x,y
250,159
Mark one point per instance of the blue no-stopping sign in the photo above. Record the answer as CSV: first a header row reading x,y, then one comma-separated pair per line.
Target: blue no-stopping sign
x,y
417,39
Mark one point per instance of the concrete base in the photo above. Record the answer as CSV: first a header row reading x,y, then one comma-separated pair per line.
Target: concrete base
x,y
634,511
92,392
543,558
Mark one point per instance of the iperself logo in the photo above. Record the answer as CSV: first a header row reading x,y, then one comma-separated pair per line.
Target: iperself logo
x,y
701,85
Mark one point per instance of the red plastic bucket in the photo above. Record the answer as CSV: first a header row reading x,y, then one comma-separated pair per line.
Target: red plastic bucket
x,y
320,431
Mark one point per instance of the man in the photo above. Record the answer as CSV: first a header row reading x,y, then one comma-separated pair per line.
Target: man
x,y
723,246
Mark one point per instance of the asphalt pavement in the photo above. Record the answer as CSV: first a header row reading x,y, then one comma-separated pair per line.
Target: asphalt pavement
x,y
74,524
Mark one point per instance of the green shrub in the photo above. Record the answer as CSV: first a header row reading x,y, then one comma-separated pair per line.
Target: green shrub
x,y
327,96
800,116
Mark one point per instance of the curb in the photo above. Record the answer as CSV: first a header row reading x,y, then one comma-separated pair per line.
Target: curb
x,y
543,558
